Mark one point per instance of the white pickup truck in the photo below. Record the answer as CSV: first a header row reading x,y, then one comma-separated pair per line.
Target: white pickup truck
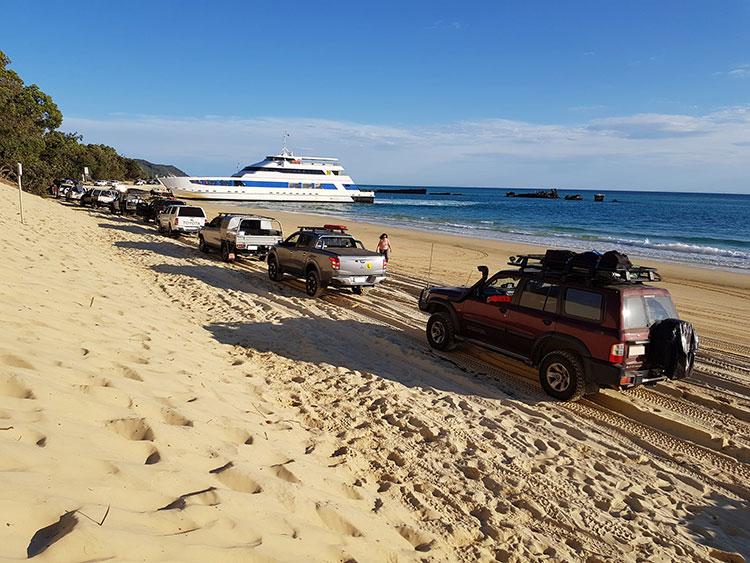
x,y
178,219
240,235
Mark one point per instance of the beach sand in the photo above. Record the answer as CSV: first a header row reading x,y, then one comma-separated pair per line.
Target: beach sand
x,y
158,404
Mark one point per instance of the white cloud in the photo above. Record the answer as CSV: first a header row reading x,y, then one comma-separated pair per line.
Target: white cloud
x,y
657,151
740,71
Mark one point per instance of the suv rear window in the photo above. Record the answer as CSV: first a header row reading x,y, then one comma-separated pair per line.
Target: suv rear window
x,y
583,304
190,212
639,311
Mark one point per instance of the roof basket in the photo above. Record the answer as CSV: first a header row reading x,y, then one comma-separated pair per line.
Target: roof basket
x,y
589,267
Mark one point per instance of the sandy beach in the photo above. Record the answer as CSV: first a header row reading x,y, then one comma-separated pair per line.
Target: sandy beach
x,y
157,404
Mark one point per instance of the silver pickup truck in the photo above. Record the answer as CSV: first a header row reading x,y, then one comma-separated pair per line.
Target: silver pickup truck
x,y
240,235
324,256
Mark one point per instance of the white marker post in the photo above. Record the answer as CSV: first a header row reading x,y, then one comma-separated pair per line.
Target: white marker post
x,y
20,190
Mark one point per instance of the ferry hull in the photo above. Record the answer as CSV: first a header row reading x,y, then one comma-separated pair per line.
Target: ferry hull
x,y
182,188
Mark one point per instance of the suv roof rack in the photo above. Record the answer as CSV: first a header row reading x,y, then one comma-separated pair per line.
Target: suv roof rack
x,y
534,264
234,214
335,228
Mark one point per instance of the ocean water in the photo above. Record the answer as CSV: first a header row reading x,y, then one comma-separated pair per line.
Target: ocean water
x,y
707,229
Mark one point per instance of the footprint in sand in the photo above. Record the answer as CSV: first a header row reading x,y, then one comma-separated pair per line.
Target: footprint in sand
x,y
350,492
153,458
239,436
335,522
174,418
14,361
420,541
131,428
284,474
11,386
128,372
204,497
239,481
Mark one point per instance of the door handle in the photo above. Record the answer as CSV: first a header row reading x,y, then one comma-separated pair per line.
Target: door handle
x,y
504,311
547,322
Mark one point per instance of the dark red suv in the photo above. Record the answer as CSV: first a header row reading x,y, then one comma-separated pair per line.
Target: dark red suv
x,y
584,328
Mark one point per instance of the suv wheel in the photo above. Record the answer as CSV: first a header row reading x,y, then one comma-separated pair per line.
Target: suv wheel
x,y
441,334
202,246
312,284
274,270
226,255
561,375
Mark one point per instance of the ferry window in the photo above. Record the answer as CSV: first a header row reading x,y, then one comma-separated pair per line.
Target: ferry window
x,y
583,304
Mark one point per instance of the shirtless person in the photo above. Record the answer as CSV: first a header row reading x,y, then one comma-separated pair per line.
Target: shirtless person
x,y
384,247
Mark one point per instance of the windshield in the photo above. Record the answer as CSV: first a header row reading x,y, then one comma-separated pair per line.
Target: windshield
x,y
639,311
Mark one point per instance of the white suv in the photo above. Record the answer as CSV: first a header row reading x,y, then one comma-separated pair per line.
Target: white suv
x,y
178,219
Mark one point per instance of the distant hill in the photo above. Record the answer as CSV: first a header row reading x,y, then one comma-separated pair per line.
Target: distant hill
x,y
150,169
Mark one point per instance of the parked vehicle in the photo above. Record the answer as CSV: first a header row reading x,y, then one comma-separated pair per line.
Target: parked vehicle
x,y
583,326
127,203
106,198
149,210
90,196
180,219
100,183
325,256
240,235
75,193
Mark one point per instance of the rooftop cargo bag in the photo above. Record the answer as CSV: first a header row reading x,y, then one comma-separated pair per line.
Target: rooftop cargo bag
x,y
557,260
614,261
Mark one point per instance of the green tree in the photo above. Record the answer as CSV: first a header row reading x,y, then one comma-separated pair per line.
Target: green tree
x,y
29,120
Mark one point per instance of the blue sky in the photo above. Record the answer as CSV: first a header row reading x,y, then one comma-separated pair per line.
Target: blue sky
x,y
651,95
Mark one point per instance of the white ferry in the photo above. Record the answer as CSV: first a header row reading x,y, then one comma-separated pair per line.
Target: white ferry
x,y
281,177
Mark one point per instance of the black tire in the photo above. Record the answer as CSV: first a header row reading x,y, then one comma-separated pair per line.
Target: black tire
x,y
313,286
170,232
160,228
202,246
225,254
359,290
561,375
274,270
441,334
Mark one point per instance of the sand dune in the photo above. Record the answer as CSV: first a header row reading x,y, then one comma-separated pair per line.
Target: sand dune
x,y
158,404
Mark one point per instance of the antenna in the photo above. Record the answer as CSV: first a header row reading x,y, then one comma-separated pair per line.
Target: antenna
x,y
284,137
429,269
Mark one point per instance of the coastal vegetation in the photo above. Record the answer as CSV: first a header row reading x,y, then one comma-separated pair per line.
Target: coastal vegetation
x,y
29,133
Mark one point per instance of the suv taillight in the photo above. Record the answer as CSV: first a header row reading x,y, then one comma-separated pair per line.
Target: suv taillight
x,y
617,353
335,262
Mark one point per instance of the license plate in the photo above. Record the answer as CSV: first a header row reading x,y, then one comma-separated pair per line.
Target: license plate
x,y
360,279
638,350
252,247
